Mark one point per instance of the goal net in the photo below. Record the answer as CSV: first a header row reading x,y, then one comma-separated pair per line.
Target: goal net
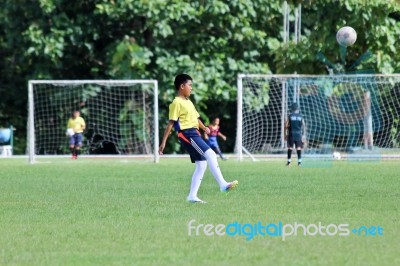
x,y
358,115
121,116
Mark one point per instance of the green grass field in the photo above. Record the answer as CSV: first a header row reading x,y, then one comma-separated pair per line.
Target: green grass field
x,y
126,211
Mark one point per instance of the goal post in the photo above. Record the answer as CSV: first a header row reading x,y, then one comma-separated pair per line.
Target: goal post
x,y
357,114
121,117
239,127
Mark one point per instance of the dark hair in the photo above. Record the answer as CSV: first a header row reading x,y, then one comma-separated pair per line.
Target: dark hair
x,y
74,111
295,107
181,79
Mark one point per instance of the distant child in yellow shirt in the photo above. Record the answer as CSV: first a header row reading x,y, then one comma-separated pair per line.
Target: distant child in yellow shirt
x,y
75,127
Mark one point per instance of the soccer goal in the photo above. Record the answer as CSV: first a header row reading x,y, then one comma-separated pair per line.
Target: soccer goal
x,y
354,114
121,117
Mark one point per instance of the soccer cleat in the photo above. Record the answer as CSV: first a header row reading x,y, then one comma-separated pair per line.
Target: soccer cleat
x,y
288,164
224,158
195,200
299,164
231,186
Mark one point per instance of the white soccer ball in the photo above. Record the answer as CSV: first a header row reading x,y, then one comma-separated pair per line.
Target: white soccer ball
x,y
70,132
336,155
346,36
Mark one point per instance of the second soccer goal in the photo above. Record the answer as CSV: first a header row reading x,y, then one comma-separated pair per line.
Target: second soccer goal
x,y
121,116
343,113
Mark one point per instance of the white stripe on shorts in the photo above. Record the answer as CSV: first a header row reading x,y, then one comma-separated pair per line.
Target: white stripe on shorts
x,y
194,144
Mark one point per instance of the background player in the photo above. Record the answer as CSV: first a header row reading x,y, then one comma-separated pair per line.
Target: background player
x,y
211,138
294,133
185,119
77,124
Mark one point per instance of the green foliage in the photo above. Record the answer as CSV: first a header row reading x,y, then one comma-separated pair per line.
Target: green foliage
x,y
258,96
376,32
126,56
132,124
211,40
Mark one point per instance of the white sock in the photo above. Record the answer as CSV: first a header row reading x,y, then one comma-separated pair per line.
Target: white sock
x,y
214,168
196,178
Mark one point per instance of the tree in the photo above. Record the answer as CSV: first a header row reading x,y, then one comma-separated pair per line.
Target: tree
x,y
212,40
376,28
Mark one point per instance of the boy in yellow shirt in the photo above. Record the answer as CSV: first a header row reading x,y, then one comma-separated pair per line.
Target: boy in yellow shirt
x,y
76,125
185,119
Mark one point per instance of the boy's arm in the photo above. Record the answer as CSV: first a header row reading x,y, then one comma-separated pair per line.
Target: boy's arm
x,y
286,129
83,125
203,127
165,137
205,135
222,135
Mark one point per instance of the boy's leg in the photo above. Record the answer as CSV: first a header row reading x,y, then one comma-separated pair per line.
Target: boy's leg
x,y
216,172
196,180
72,146
299,156
77,151
299,146
289,156
213,143
290,144
196,146
218,151
78,144
214,168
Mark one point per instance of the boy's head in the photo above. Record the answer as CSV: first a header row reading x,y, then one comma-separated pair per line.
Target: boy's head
x,y
295,107
181,79
215,121
76,114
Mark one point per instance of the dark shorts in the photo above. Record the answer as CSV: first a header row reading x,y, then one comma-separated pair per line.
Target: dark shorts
x,y
193,143
297,143
76,139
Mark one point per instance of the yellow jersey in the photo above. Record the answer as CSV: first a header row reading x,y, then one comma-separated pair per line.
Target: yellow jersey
x,y
77,124
183,112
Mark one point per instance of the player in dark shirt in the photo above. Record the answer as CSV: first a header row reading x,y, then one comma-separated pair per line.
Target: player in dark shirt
x,y
295,133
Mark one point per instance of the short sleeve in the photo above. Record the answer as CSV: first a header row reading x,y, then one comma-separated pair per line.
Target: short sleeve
x,y
174,109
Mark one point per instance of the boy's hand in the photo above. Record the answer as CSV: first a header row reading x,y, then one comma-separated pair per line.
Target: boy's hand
x,y
207,130
161,148
224,138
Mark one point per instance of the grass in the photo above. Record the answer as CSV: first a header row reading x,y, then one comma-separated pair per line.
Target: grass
x,y
118,212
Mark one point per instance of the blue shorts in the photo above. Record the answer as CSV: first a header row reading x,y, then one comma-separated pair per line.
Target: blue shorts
x,y
76,139
193,143
212,142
